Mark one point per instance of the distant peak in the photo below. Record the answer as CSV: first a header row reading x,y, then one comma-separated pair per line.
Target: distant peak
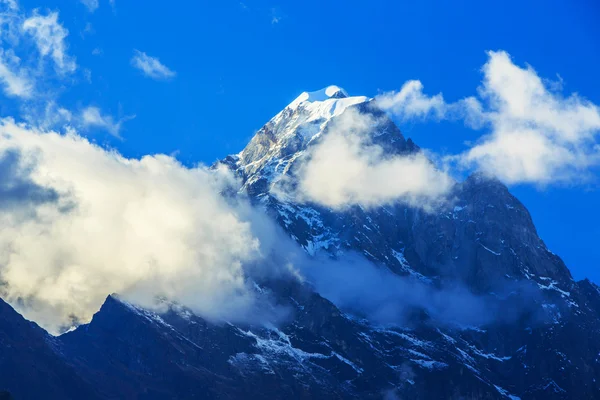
x,y
330,92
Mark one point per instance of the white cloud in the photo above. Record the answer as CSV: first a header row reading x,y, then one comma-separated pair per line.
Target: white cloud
x,y
151,66
537,136
92,5
15,80
11,4
48,116
140,227
346,168
92,117
49,36
24,74
410,102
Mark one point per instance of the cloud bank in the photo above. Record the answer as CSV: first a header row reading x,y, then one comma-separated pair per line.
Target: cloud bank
x,y
95,222
80,222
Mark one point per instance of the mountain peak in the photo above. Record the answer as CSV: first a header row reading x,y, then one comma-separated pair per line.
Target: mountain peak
x,y
330,92
293,129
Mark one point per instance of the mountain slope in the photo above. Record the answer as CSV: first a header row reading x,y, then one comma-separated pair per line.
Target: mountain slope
x,y
528,330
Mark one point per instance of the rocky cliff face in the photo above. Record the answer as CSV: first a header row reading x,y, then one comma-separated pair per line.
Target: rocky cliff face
x,y
539,337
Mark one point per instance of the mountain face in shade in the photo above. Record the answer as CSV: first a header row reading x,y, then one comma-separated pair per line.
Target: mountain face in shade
x,y
32,365
538,337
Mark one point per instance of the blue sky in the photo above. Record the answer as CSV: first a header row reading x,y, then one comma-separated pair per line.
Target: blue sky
x,y
237,64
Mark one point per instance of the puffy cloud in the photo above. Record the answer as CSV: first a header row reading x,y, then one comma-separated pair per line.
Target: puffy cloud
x,y
103,223
49,36
346,168
410,102
537,135
17,190
92,117
151,66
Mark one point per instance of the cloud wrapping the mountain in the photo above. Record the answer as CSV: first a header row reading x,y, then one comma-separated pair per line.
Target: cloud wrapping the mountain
x,y
356,285
103,223
346,168
81,222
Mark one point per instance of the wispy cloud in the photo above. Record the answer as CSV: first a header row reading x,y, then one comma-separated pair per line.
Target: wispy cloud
x,y
91,5
49,36
11,4
15,79
92,117
276,16
22,69
151,66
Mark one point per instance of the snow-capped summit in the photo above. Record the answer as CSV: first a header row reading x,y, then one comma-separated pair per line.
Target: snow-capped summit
x,y
327,102
330,92
289,132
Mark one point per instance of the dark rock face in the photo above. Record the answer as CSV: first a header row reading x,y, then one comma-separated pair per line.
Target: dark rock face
x,y
31,364
540,340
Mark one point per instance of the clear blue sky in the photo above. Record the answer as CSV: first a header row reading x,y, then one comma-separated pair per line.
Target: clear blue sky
x,y
237,64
